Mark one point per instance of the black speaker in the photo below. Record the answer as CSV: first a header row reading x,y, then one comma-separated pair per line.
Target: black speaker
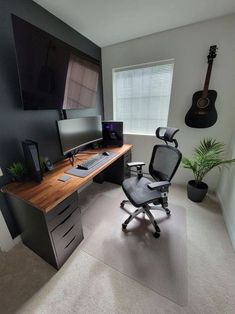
x,y
32,161
48,164
112,133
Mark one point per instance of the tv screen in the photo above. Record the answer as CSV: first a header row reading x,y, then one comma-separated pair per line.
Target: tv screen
x,y
75,133
52,74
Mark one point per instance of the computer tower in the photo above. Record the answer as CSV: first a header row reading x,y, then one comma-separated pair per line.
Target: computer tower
x,y
32,161
112,133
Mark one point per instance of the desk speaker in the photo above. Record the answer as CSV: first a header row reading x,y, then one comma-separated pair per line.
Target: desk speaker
x,y
48,164
112,133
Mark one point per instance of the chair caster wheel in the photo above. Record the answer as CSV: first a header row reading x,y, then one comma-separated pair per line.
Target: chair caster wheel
x,y
124,227
156,235
122,204
168,213
157,228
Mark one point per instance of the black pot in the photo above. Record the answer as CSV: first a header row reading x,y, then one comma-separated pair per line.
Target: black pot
x,y
18,178
196,192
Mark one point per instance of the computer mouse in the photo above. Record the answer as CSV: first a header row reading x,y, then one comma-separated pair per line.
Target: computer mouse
x,y
106,153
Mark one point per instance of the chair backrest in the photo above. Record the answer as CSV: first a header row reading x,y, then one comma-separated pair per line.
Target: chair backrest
x,y
164,162
165,159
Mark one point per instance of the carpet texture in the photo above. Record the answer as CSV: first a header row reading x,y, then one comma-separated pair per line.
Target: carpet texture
x,y
86,285
159,264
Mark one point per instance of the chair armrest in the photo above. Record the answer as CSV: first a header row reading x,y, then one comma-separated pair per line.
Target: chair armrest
x,y
160,186
135,164
138,165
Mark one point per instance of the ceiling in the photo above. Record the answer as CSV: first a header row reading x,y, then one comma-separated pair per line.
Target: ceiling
x,y
107,22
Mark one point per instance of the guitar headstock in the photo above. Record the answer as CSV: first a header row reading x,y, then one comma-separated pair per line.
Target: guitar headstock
x,y
212,53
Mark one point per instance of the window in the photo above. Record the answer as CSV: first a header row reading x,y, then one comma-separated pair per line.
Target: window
x,y
141,96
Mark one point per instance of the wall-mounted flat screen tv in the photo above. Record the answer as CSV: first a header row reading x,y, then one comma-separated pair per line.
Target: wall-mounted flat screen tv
x,y
52,74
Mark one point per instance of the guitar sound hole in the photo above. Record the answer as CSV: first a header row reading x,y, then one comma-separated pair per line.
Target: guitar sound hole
x,y
203,103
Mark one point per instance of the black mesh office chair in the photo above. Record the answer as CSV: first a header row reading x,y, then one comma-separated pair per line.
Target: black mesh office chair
x,y
142,192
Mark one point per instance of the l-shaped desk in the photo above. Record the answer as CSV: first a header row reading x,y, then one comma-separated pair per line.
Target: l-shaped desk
x,y
48,214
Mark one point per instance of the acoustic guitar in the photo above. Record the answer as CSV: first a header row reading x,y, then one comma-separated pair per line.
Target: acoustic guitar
x,y
202,113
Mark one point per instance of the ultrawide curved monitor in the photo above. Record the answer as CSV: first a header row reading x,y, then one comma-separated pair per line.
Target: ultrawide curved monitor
x,y
75,133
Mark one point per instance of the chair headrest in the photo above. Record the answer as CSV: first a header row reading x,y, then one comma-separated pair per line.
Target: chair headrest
x,y
167,134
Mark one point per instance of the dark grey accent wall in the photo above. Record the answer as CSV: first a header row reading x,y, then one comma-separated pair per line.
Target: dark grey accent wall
x,y
15,123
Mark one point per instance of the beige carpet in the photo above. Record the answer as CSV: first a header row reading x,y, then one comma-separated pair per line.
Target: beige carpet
x,y
22,274
159,264
85,285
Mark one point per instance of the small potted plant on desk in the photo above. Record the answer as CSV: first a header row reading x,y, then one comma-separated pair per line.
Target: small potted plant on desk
x,y
17,171
208,155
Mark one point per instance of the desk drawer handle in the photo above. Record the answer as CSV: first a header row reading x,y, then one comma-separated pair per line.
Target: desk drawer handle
x,y
68,231
70,242
60,213
62,222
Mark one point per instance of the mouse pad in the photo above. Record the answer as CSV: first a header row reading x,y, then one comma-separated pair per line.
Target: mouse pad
x,y
83,173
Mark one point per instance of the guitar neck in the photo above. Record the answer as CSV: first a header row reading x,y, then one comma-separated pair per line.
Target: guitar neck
x,y
207,80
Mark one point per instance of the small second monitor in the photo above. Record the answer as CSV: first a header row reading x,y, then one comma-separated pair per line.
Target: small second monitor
x,y
75,133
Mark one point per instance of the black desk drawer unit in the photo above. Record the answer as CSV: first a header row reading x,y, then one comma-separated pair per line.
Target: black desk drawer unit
x,y
65,226
67,243
53,236
62,211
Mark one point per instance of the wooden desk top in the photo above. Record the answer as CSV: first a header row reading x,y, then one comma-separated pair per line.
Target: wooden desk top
x,y
50,192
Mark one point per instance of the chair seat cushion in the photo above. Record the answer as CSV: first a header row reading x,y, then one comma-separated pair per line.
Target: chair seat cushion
x,y
138,192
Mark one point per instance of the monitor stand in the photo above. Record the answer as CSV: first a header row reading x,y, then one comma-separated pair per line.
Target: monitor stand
x,y
71,157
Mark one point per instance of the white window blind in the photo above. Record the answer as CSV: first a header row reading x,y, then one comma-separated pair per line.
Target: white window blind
x,y
142,96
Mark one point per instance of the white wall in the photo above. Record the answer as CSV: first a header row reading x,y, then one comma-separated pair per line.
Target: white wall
x,y
226,193
6,241
189,47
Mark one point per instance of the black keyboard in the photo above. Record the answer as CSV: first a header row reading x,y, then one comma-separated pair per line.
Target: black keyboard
x,y
91,162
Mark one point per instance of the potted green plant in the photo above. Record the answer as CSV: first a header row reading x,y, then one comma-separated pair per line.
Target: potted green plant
x,y
208,155
17,171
